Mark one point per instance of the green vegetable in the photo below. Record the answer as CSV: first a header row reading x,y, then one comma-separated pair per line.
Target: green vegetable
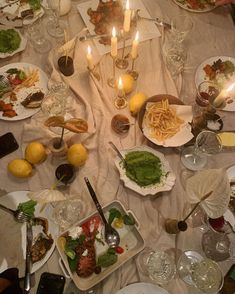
x,y
229,67
143,167
69,252
72,244
113,213
12,71
18,72
128,220
34,4
73,263
28,207
111,251
107,259
21,75
9,40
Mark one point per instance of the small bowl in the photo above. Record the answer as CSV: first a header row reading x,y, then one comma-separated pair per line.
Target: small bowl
x,y
65,173
120,124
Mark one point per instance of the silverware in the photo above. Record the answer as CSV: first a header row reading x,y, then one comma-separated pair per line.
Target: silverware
x,y
117,151
19,215
29,241
111,236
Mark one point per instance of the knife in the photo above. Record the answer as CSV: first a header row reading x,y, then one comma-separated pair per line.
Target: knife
x,y
29,241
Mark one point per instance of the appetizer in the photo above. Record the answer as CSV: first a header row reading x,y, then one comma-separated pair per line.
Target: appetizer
x,y
197,4
9,41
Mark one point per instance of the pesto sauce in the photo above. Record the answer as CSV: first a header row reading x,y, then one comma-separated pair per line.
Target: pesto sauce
x,y
143,167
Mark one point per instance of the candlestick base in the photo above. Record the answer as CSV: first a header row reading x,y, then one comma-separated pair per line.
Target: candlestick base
x,y
134,74
120,102
122,63
111,82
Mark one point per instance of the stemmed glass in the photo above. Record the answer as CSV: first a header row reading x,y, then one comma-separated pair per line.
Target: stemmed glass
x,y
195,157
203,273
54,28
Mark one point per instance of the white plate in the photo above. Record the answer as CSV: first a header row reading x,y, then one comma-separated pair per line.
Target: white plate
x,y
231,176
166,184
142,288
147,29
22,111
12,200
200,76
187,7
21,47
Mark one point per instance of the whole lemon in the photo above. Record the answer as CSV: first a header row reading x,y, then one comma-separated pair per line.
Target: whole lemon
x,y
20,168
35,152
136,102
77,155
128,83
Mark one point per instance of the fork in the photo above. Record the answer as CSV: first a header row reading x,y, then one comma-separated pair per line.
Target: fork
x,y
19,215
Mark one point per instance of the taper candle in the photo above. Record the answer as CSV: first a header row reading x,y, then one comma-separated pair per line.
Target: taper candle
x,y
114,43
134,49
127,18
89,58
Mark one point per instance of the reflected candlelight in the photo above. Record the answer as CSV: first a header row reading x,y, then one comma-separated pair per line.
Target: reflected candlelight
x,y
220,99
89,58
114,43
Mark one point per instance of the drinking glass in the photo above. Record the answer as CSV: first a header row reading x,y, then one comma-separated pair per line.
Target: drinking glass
x,y
158,265
195,157
181,25
54,28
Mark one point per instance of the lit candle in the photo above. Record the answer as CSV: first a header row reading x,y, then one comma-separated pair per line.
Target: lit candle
x,y
220,99
134,49
127,18
114,43
89,58
120,87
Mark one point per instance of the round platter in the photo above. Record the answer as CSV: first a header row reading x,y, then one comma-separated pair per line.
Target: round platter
x,y
143,288
186,6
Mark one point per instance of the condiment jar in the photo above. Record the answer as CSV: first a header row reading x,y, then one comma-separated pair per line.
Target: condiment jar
x,y
173,226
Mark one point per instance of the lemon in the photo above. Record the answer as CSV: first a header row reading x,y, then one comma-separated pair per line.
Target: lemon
x,y
128,83
20,168
62,242
35,152
136,102
77,155
118,223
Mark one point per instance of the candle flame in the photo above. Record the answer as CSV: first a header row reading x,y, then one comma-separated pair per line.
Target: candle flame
x,y
127,5
89,49
114,32
230,88
137,36
120,84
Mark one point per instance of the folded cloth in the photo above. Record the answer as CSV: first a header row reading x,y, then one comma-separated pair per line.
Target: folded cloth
x,y
9,282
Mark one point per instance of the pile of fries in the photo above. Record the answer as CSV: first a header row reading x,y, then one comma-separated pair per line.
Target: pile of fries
x,y
162,120
31,79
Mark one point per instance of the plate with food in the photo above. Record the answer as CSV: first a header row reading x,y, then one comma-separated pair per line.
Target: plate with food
x,y
101,16
13,234
165,121
219,70
142,288
22,89
196,5
145,170
84,252
11,42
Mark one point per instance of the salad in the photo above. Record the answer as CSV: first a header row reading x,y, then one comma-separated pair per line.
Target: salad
x,y
196,4
9,41
85,246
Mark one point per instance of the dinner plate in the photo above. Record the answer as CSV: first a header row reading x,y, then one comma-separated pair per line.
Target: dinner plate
x,y
21,47
167,179
186,6
142,288
200,77
13,234
231,176
24,92
184,112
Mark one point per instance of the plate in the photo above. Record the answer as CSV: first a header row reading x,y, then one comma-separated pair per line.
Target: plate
x,y
184,111
22,93
167,180
16,259
21,47
187,7
142,288
200,76
147,29
231,176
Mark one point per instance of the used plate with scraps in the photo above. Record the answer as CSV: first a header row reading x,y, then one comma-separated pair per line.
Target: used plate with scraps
x,y
197,5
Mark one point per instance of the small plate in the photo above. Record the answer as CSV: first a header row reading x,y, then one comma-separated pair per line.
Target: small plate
x,y
167,180
142,288
187,7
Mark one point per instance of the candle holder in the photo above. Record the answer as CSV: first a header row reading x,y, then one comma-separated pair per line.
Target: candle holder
x,y
133,72
111,81
94,73
122,63
120,101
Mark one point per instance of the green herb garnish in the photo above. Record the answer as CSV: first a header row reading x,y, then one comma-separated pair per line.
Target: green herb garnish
x,y
34,4
9,40
28,207
113,213
128,220
73,263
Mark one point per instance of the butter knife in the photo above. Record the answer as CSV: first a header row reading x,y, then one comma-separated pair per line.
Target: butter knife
x,y
29,241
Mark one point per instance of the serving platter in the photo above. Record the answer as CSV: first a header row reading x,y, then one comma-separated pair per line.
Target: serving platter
x,y
13,234
130,237
40,85
184,112
200,76
186,6
143,288
167,180
22,46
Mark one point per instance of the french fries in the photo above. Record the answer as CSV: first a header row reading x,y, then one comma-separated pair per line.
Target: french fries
x,y
162,120
31,79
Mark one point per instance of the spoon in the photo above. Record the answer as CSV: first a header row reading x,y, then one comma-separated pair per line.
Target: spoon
x,y
111,236
117,151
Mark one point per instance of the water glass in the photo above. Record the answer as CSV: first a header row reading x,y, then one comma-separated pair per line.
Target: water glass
x,y
181,25
54,28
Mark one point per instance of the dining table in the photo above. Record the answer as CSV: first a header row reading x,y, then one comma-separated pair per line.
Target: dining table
x,y
92,99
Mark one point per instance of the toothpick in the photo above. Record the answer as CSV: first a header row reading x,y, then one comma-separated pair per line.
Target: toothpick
x,y
66,49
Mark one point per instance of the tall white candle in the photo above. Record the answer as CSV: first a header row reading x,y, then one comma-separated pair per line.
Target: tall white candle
x,y
89,58
134,49
120,87
127,18
114,43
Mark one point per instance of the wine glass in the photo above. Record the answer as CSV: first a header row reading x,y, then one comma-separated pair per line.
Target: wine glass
x,y
158,265
195,157
54,28
203,273
181,25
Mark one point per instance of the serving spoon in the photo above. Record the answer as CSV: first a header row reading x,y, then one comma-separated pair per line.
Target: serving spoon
x,y
111,236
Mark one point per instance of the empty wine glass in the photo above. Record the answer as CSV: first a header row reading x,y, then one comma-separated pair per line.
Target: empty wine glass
x,y
181,25
195,157
203,273
54,28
